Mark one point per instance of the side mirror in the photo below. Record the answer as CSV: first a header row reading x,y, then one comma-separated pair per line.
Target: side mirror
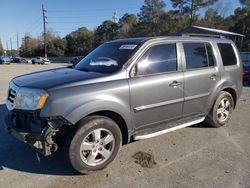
x,y
133,71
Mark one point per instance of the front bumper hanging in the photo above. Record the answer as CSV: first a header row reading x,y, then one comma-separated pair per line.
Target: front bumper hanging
x,y
41,141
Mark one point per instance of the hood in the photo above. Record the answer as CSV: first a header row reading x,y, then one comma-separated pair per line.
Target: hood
x,y
52,78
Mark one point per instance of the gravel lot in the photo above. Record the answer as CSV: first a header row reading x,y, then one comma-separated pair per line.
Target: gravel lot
x,y
198,156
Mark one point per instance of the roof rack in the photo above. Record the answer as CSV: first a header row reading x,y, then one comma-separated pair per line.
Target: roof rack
x,y
201,35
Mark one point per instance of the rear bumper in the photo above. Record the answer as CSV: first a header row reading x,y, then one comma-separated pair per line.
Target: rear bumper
x,y
41,141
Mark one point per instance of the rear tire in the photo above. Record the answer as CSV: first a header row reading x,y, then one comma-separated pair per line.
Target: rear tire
x,y
221,110
93,144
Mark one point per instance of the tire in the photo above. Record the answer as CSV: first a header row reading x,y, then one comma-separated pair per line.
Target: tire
x,y
220,114
90,156
33,62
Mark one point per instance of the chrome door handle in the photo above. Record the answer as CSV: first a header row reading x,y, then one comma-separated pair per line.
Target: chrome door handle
x,y
174,84
213,77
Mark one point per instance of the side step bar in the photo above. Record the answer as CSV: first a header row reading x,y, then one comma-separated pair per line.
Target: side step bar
x,y
141,137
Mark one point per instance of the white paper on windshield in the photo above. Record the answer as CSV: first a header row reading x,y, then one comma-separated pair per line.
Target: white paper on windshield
x,y
128,47
104,63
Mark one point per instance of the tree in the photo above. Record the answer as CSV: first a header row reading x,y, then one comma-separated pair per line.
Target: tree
x,y
190,7
79,42
1,48
127,24
212,19
108,30
29,45
241,24
56,47
149,17
245,3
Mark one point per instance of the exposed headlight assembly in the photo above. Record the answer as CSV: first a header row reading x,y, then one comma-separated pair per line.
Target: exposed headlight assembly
x,y
30,99
25,98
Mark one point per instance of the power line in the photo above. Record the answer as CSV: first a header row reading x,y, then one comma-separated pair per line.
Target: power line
x,y
95,10
93,16
73,22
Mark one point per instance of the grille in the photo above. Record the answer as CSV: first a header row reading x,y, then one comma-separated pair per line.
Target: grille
x,y
12,93
11,96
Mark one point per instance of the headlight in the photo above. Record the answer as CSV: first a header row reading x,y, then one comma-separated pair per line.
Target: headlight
x,y
30,99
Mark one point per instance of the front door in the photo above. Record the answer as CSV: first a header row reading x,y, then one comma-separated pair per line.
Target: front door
x,y
156,89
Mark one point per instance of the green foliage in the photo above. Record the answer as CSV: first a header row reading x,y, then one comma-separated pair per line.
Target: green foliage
x,y
241,24
150,18
57,47
190,7
108,30
212,19
127,25
1,48
245,3
29,46
79,42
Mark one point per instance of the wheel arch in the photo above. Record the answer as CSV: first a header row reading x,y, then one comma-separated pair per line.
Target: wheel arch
x,y
118,119
233,93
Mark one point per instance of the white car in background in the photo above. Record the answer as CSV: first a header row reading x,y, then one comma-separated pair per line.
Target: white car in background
x,y
40,60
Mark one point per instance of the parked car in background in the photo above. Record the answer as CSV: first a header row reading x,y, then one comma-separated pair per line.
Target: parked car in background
x,y
18,60
40,60
76,60
5,60
245,56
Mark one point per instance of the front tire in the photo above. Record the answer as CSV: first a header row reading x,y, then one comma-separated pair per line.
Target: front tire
x,y
221,111
94,144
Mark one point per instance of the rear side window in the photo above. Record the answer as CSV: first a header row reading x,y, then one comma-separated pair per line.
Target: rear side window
x,y
158,59
227,54
198,55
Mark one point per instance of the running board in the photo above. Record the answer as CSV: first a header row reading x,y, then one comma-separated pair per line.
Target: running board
x,y
141,137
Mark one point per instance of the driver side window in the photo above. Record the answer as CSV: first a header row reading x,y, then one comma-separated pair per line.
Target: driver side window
x,y
158,59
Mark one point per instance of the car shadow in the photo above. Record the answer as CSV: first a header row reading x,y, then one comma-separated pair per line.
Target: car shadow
x,y
201,125
18,156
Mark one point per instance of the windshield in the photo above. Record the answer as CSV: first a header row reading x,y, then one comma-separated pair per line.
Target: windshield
x,y
107,58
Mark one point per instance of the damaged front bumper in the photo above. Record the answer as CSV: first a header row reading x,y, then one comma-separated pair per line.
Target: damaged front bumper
x,y
39,134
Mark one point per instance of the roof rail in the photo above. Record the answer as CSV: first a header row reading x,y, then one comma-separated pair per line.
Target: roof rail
x,y
201,35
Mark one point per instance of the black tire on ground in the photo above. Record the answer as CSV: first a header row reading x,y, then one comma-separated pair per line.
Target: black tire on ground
x,y
33,62
213,117
78,135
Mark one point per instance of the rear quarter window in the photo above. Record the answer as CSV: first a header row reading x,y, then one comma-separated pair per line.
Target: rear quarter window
x,y
227,54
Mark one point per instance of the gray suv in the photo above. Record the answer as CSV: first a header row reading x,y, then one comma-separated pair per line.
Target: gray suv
x,y
127,89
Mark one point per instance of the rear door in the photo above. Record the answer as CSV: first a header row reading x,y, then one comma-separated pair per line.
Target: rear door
x,y
200,76
156,89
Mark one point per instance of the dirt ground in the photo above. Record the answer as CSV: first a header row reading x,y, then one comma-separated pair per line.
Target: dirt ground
x,y
198,156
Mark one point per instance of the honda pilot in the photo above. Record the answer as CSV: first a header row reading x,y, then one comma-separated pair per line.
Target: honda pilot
x,y
127,89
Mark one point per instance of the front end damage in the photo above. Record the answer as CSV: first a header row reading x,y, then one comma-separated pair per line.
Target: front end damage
x,y
40,133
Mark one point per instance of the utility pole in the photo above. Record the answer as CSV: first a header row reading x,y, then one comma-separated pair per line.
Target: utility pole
x,y
17,43
44,31
10,43
7,47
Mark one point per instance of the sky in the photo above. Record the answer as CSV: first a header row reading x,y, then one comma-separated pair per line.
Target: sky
x,y
64,16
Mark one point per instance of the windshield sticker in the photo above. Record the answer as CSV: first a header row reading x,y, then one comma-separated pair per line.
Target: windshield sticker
x,y
104,63
128,47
